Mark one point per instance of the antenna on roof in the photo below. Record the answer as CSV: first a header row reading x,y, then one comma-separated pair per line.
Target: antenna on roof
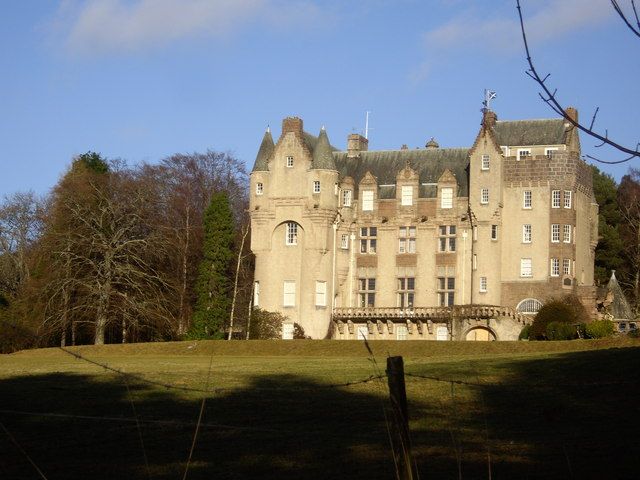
x,y
366,126
488,96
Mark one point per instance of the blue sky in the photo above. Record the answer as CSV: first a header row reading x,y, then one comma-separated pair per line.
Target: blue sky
x,y
143,79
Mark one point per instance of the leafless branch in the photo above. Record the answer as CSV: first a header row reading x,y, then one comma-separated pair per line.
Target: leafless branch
x,y
634,28
550,98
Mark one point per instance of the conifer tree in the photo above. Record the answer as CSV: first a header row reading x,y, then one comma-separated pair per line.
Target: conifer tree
x,y
214,276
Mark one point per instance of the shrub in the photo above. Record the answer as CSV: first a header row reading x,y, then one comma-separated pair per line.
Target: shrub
x,y
524,333
568,309
599,329
298,332
266,325
561,331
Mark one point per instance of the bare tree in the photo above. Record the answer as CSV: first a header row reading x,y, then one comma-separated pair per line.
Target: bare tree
x,y
549,95
629,203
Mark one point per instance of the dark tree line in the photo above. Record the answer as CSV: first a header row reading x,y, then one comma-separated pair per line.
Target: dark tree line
x,y
119,254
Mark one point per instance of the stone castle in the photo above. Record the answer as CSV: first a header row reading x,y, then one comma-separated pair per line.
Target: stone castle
x,y
430,243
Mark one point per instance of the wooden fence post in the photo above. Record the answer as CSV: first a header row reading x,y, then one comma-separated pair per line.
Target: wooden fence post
x,y
400,420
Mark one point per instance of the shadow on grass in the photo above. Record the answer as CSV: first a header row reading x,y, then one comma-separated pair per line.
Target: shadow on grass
x,y
571,415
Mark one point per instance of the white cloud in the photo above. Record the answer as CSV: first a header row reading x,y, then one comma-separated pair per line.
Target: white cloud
x,y
108,26
545,21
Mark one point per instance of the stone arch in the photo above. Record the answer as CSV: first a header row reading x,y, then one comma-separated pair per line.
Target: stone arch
x,y
529,306
480,334
279,233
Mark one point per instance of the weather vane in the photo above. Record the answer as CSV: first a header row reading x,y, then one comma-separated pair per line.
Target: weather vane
x,y
488,96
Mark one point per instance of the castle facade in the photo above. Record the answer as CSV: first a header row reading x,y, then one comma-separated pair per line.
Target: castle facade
x,y
429,243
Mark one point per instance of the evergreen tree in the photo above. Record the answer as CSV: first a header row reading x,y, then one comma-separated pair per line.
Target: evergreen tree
x,y
608,251
215,273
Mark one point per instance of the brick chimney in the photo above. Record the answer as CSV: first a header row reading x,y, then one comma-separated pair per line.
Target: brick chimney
x,y
572,113
356,143
292,124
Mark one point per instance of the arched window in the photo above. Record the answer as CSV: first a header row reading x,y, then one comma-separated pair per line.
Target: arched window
x,y
529,305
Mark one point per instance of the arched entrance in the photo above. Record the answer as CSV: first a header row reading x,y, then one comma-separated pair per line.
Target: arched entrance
x,y
480,334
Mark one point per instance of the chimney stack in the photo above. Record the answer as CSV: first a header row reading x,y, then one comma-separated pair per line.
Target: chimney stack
x,y
489,118
356,143
292,124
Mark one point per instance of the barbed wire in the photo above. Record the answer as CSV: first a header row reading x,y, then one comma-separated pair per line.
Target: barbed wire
x,y
520,384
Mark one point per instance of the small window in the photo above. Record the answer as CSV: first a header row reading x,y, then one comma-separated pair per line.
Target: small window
x,y
566,266
550,151
321,294
344,241
494,232
447,238
407,240
367,200
485,162
474,233
555,233
566,233
526,233
287,331
475,261
446,197
526,267
555,267
256,294
336,189
401,332
316,186
289,161
555,199
289,294
407,196
526,199
368,239
259,188
292,233
524,153
484,196
483,284
567,199
346,198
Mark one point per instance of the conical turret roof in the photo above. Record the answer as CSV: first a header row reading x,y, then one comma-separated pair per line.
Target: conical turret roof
x,y
619,307
264,153
323,153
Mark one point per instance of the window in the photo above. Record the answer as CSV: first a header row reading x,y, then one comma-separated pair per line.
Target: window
x,y
474,233
555,267
344,241
526,233
407,196
292,233
367,292
446,286
526,199
555,233
550,151
523,153
567,199
289,161
525,267
401,332
485,162
287,331
256,294
407,240
475,261
289,294
363,332
406,291
321,294
494,232
555,199
483,284
446,197
316,186
484,196
367,200
336,188
447,239
368,240
566,233
259,188
566,266
346,198
529,306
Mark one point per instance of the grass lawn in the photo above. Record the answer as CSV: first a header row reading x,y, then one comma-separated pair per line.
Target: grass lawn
x,y
488,410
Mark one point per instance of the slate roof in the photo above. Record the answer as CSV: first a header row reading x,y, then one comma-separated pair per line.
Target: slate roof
x,y
323,153
429,164
530,132
264,153
620,307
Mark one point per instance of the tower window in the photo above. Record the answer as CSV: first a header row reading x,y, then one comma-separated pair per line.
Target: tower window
x,y
526,199
485,162
494,232
316,186
555,199
289,161
344,241
555,267
555,233
484,196
567,199
292,233
259,188
526,269
289,293
321,294
346,198
566,234
483,284
526,233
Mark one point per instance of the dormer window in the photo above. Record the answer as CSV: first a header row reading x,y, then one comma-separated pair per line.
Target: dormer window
x,y
367,200
550,152
524,153
485,162
316,186
259,188
289,161
407,196
446,197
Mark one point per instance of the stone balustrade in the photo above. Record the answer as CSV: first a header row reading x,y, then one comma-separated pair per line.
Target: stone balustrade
x,y
374,314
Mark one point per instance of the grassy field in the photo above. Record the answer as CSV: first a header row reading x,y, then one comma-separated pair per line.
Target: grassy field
x,y
282,410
